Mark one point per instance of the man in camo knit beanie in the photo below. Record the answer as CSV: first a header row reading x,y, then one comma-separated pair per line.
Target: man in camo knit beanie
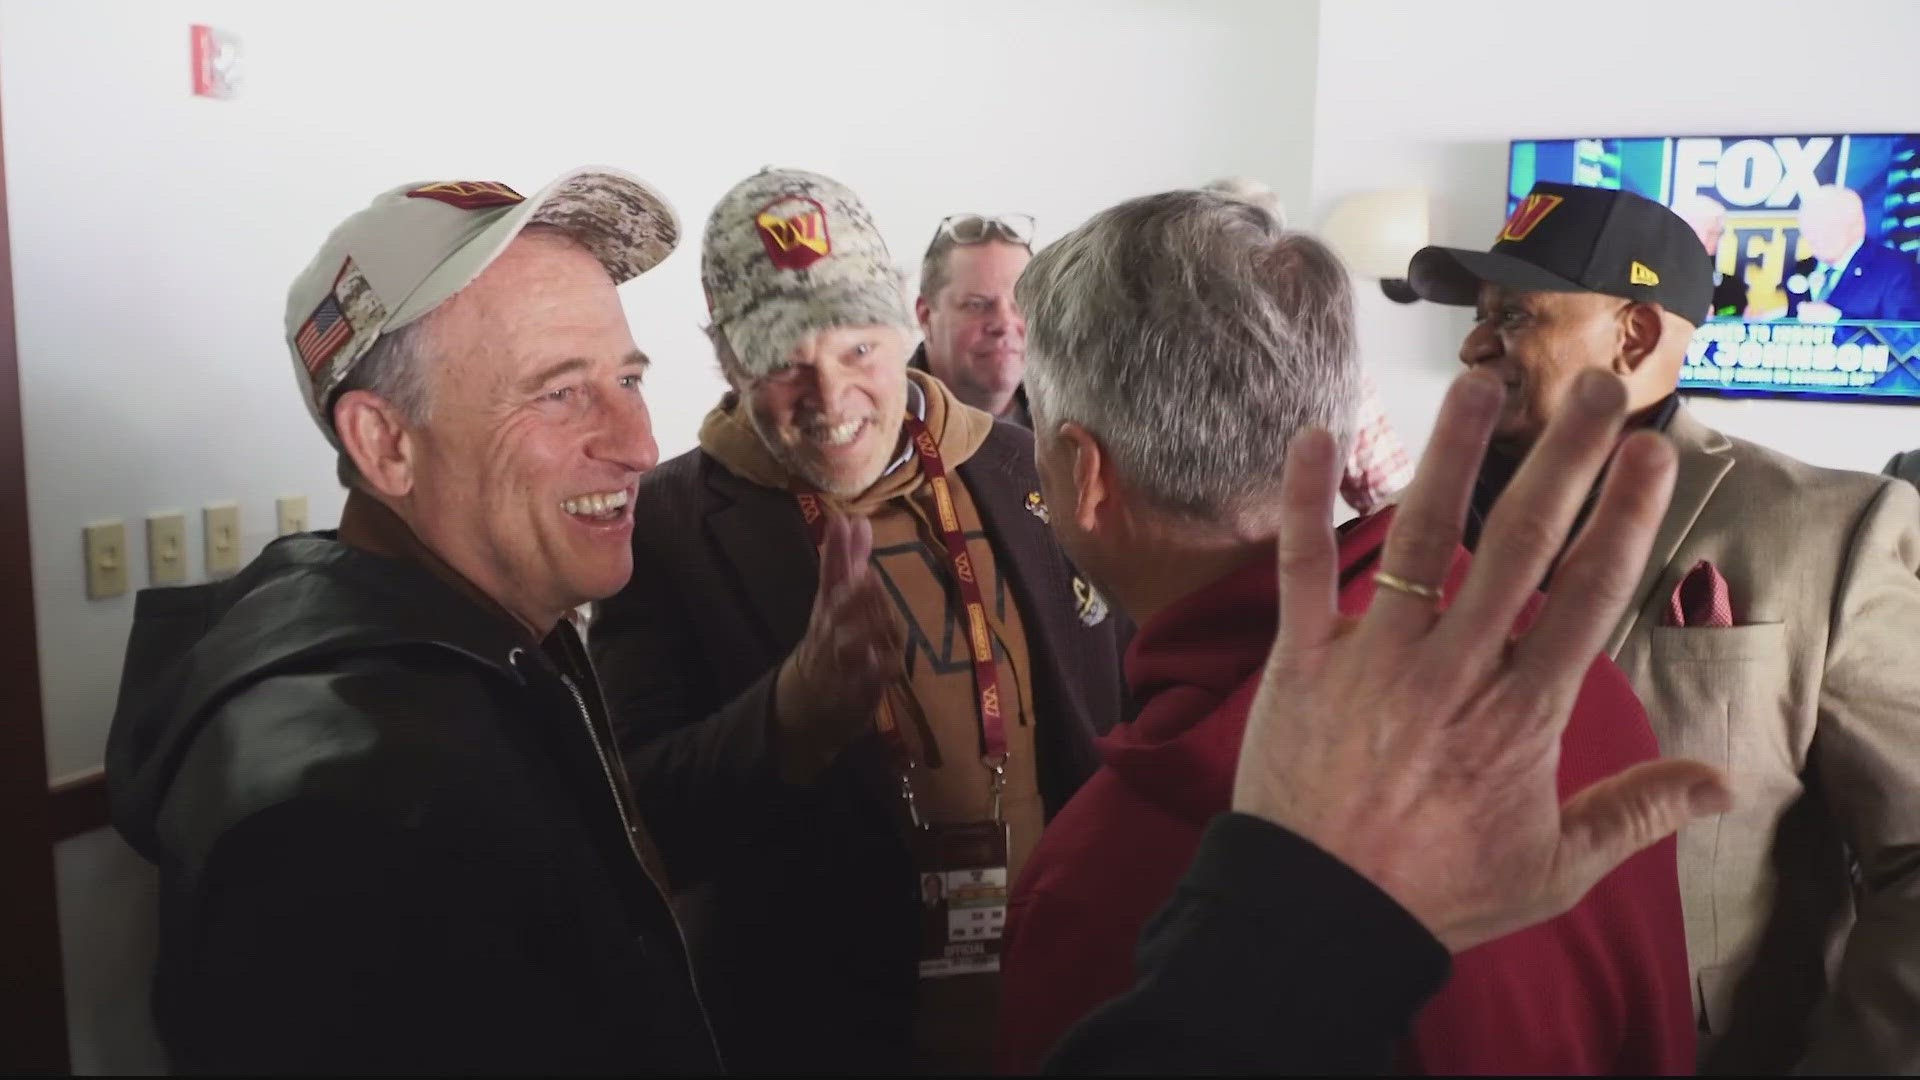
x,y
852,551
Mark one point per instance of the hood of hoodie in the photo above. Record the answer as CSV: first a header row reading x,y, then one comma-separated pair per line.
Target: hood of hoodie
x,y
307,599
1196,665
959,429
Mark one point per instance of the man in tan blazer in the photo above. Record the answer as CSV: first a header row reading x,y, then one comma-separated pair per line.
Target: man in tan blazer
x,y
1771,634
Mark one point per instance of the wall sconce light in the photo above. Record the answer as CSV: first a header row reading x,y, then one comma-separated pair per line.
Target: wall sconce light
x,y
1376,234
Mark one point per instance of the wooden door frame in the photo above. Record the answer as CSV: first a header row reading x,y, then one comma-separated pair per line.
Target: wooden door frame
x,y
33,1008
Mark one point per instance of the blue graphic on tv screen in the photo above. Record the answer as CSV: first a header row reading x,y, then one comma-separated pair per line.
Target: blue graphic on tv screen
x,y
1816,246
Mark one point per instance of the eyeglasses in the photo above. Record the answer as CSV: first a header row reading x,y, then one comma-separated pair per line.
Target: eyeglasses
x,y
980,228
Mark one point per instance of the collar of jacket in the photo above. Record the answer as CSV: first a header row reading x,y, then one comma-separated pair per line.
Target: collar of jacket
x,y
1194,668
1018,414
1500,466
372,527
1218,634
727,436
1705,458
369,525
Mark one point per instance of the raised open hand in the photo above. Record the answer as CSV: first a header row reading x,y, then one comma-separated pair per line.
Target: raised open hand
x,y
1421,747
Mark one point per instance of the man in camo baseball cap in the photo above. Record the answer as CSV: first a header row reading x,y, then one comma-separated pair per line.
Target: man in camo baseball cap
x,y
787,253
838,505
374,769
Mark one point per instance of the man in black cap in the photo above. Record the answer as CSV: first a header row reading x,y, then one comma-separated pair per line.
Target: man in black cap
x,y
1769,634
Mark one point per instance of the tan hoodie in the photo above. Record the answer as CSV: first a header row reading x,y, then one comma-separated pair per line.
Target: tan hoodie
x,y
957,428
934,698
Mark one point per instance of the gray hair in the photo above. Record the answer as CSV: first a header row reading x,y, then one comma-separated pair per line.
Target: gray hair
x,y
1194,336
1249,190
394,370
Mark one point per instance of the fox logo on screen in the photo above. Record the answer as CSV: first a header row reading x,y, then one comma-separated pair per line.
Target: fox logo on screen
x,y
1771,174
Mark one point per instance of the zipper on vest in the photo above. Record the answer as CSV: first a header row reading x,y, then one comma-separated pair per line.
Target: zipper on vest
x,y
626,826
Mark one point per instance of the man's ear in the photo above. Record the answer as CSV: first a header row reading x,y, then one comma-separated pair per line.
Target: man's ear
x,y
375,436
923,311
1641,331
1093,477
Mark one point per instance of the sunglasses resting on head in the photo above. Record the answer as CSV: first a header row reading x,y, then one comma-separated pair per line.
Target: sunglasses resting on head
x,y
979,228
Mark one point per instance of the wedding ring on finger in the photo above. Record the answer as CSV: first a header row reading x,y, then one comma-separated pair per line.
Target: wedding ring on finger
x,y
1411,588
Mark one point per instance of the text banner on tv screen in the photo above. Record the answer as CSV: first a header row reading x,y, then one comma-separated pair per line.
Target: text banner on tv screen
x,y
1816,246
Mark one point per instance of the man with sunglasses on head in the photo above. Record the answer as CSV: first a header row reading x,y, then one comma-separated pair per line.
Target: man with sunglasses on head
x,y
850,622
976,338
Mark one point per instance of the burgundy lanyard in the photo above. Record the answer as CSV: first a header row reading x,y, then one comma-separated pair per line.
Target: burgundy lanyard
x,y
986,675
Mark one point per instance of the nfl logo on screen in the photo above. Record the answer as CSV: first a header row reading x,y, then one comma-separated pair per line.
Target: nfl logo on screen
x,y
216,62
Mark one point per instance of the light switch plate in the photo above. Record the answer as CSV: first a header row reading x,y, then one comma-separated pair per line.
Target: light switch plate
x,y
223,539
292,511
167,549
106,544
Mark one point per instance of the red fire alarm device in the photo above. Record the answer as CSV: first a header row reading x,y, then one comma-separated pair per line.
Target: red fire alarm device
x,y
216,62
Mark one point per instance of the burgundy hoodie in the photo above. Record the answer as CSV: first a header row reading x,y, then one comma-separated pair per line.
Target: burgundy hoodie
x,y
1601,989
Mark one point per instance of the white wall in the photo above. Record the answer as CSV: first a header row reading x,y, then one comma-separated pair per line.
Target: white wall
x,y
154,233
1417,92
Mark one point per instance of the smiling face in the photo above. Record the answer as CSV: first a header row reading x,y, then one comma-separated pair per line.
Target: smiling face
x,y
976,336
832,414
1537,342
523,478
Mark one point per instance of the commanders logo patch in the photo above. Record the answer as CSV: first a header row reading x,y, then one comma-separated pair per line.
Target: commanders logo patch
x,y
469,194
1528,215
793,229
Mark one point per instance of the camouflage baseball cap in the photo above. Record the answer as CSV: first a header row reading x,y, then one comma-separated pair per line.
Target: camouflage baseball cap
x,y
788,253
420,243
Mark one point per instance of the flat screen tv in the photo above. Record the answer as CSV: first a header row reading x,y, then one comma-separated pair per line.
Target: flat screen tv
x,y
1816,247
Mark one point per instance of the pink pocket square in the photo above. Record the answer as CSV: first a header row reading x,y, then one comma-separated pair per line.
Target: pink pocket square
x,y
1701,599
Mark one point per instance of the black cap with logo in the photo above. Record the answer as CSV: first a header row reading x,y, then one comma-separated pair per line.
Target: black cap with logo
x,y
1564,238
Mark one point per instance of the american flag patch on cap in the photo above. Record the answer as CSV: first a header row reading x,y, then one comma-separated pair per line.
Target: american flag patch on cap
x,y
325,331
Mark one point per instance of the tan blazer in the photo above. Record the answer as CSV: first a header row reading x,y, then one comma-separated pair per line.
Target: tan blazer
x,y
1803,903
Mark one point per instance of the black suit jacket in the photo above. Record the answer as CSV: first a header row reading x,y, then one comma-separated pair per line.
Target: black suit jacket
x,y
1019,416
803,903
1880,283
